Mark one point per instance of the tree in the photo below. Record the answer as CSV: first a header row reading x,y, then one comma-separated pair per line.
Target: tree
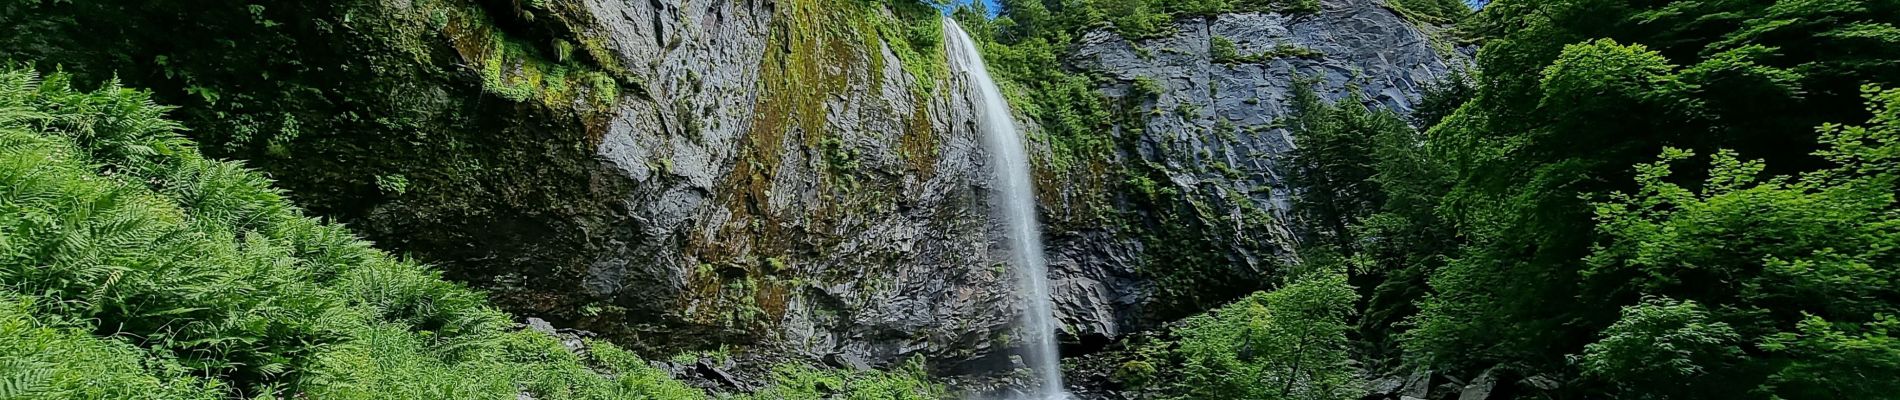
x,y
1289,343
1663,349
1601,107
1334,163
1767,256
1839,361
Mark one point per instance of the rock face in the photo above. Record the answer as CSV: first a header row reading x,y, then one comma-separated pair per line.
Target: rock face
x,y
792,185
1212,132
799,186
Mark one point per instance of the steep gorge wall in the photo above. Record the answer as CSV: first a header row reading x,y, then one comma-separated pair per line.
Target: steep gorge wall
x,y
832,197
1201,200
796,174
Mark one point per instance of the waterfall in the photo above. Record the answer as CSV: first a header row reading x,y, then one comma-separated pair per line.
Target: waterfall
x,y
1015,198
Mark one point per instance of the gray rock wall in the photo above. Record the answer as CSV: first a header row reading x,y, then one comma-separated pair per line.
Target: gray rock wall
x,y
747,224
795,189
1213,131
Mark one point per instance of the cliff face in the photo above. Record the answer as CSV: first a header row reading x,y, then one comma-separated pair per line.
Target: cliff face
x,y
798,174
1209,137
793,180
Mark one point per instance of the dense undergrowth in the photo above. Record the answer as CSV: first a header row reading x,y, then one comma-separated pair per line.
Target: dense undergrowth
x,y
132,267
426,125
1529,230
193,278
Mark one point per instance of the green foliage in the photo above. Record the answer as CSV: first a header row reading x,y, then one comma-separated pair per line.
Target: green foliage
x,y
1834,360
113,221
1432,11
1515,232
1335,162
1765,254
1558,116
1138,18
393,184
913,30
1658,347
1135,373
50,360
336,99
1284,50
801,382
1074,118
1223,50
1367,198
1147,87
1442,98
1134,19
1289,343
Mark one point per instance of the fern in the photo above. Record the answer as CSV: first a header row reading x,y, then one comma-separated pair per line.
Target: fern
x,y
24,379
109,218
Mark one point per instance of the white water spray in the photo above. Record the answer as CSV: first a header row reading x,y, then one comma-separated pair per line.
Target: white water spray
x,y
1016,199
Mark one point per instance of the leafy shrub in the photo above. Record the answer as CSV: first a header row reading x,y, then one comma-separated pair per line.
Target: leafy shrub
x,y
1767,257
1222,50
1658,345
1432,11
1148,88
1135,373
1289,343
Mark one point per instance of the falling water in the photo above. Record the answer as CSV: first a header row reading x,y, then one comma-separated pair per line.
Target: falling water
x,y
1016,199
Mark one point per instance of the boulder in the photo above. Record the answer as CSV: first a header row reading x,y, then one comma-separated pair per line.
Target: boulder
x,y
846,361
1385,387
1481,387
1417,385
